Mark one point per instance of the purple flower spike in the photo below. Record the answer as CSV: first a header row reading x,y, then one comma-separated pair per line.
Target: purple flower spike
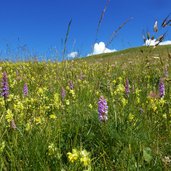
x,y
71,85
127,90
63,93
5,88
161,89
102,109
25,90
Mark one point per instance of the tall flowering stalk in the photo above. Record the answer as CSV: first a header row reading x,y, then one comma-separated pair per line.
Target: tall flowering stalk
x,y
5,88
71,85
127,90
25,90
166,73
63,93
102,109
12,124
161,88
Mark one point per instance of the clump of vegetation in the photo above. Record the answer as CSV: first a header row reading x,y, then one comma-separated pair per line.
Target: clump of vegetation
x,y
49,111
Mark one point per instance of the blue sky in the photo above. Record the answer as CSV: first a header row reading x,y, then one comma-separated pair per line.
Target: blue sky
x,y
39,26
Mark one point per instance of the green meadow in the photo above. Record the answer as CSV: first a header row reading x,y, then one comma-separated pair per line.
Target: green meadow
x,y
49,118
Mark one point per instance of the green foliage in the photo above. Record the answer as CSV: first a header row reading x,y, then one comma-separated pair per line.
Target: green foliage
x,y
147,154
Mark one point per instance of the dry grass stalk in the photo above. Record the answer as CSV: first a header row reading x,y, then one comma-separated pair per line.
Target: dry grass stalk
x,y
101,18
66,39
117,30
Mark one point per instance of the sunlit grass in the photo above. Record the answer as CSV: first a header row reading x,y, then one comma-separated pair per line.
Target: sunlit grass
x,y
56,125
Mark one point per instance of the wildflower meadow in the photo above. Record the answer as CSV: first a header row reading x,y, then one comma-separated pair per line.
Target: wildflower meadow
x,y
101,113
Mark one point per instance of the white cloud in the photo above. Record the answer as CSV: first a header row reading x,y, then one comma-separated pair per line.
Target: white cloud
x,y
150,42
73,55
167,42
101,48
154,42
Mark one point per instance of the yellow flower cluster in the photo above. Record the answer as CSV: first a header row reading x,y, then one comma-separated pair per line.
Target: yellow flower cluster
x,y
73,156
119,89
2,102
155,104
84,158
72,92
83,155
9,116
2,146
57,102
52,149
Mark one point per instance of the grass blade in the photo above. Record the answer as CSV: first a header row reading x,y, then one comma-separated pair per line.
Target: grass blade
x,y
101,18
66,39
116,31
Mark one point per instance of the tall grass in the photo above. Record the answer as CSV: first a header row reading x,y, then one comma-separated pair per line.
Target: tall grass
x,y
101,19
66,39
50,125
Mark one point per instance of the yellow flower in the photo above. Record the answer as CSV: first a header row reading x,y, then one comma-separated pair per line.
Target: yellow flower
x,y
164,116
84,153
2,102
154,107
119,89
9,115
10,97
18,106
131,117
124,101
67,102
56,97
73,156
2,146
38,120
56,100
85,159
162,102
90,106
120,79
138,100
72,93
137,92
52,116
52,149
40,91
67,88
28,126
97,93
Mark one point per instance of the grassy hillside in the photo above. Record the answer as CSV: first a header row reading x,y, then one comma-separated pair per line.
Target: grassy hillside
x,y
107,112
134,54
